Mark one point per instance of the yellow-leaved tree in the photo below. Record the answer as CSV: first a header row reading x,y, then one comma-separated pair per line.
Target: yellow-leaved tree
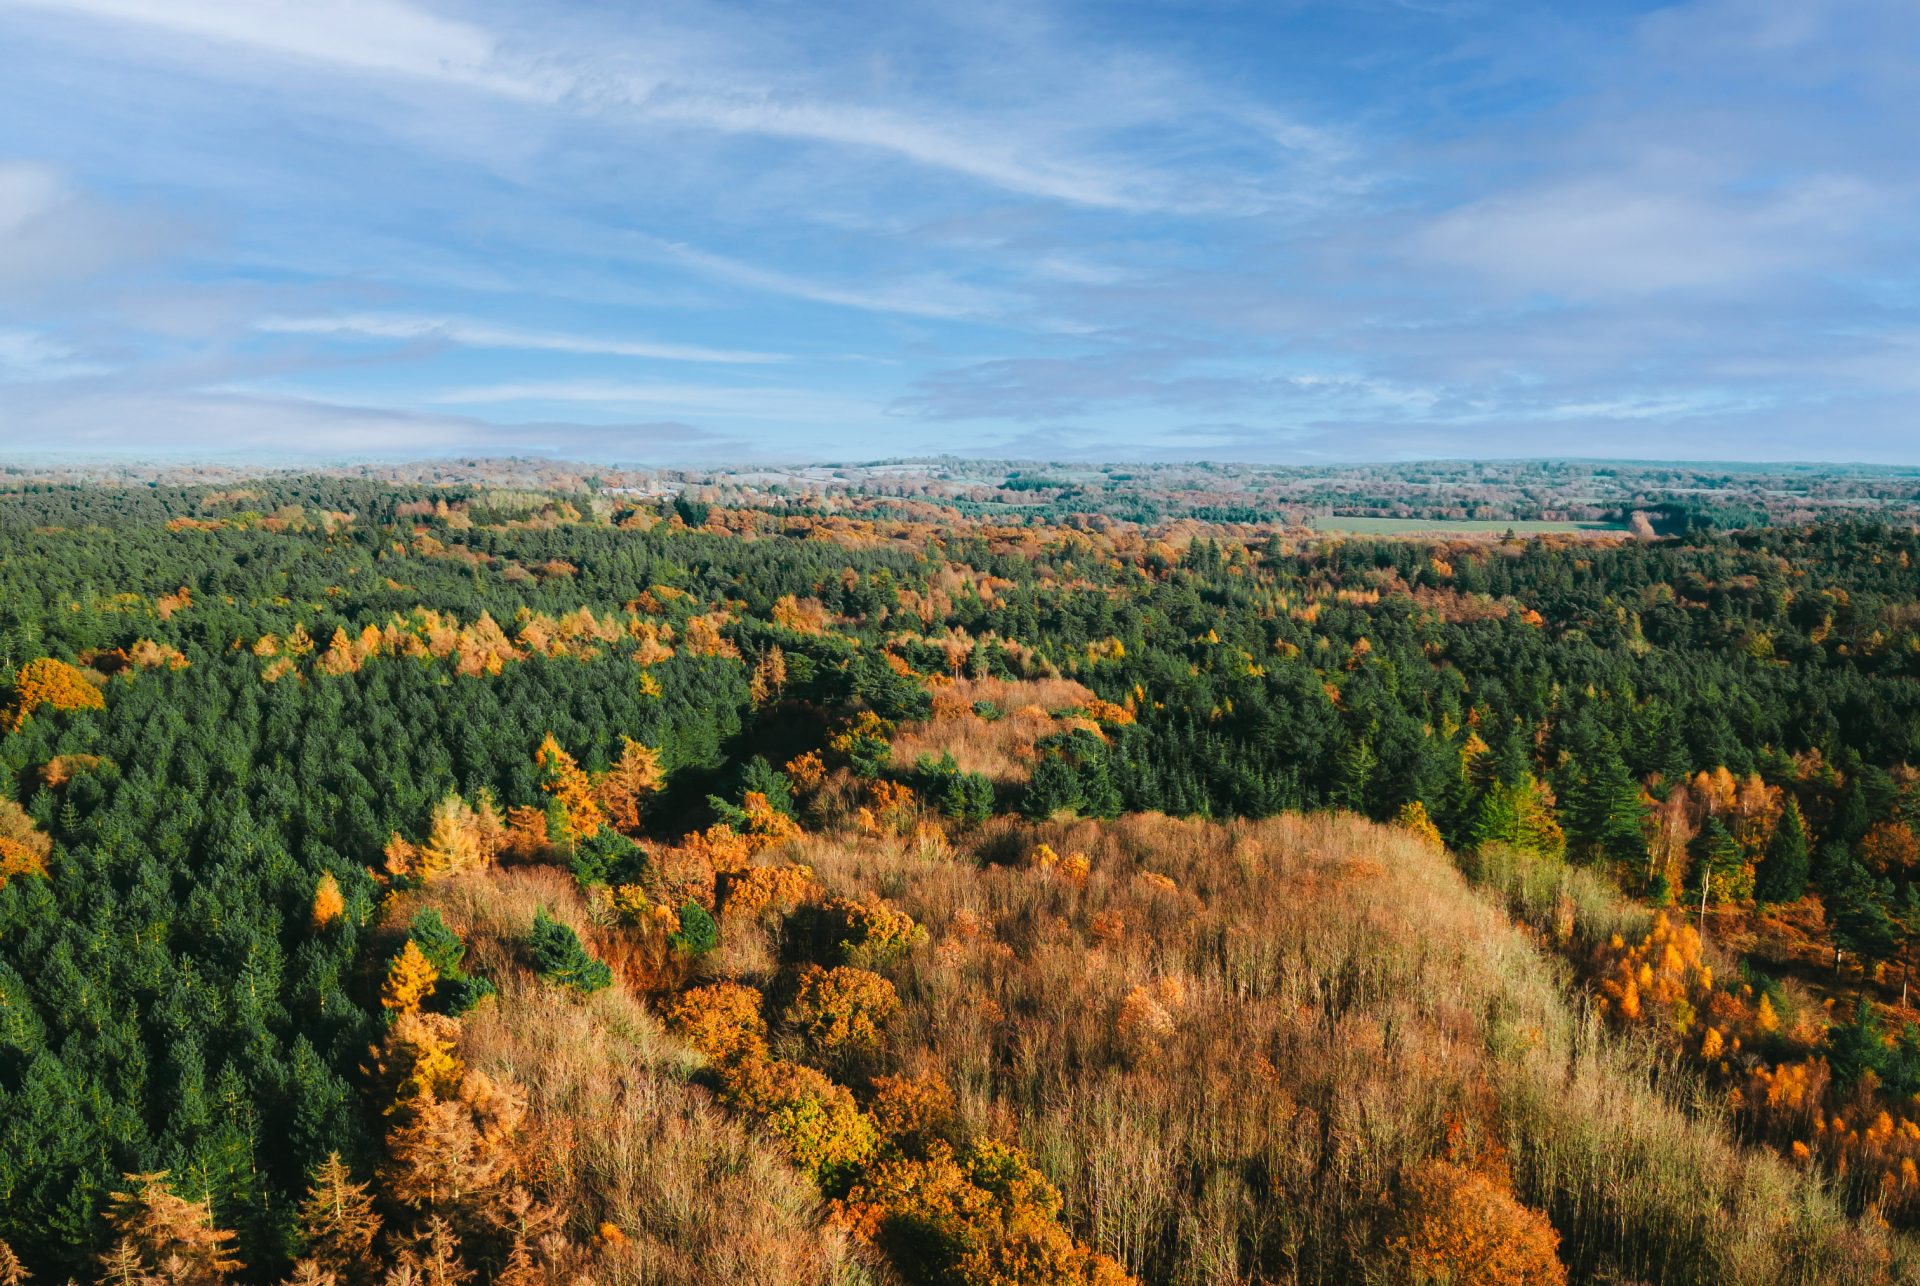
x,y
328,904
570,788
623,788
410,980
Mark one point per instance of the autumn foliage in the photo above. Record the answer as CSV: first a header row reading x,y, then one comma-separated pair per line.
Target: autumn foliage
x,y
47,683
1458,1225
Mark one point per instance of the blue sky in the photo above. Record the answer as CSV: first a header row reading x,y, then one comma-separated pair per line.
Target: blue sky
x,y
692,233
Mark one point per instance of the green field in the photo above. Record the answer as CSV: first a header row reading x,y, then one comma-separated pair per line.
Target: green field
x,y
1444,526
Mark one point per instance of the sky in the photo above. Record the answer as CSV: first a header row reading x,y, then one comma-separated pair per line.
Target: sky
x,y
667,233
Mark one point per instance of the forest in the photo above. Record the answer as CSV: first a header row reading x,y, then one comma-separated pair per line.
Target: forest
x,y
406,880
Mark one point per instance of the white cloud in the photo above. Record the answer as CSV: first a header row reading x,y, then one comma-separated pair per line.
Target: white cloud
x,y
50,235
205,424
936,297
779,404
482,335
383,36
972,153
1637,234
33,355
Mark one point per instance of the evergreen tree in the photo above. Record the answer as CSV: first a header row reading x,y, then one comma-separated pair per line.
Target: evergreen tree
x,y
559,958
1858,914
698,933
1783,874
1053,787
1602,806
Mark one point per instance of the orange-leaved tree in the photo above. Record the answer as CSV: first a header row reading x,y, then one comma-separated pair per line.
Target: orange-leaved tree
x,y
620,791
169,1235
570,788
44,681
1459,1225
410,980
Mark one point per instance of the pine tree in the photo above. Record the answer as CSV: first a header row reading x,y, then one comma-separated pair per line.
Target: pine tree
x,y
698,933
1857,910
1054,786
1783,875
559,958
1600,803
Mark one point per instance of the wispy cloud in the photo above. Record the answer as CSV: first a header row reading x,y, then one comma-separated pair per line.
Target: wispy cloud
x,y
995,160
793,404
934,296
1443,227
114,422
453,330
388,37
30,355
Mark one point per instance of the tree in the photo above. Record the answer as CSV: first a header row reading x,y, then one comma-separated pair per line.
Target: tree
x,y
568,787
171,1234
1857,910
635,775
1783,875
456,991
328,904
47,682
1413,817
1723,864
12,1271
454,842
698,933
1518,813
841,1008
1457,1225
559,958
1604,809
1053,787
410,980
337,1221
1889,848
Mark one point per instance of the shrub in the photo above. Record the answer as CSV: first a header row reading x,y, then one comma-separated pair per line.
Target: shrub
x,y
869,934
1456,1225
722,1021
819,1125
841,1009
981,1216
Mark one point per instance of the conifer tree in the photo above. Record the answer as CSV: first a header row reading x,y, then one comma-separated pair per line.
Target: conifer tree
x,y
328,904
337,1222
171,1234
410,980
1783,875
558,956
12,1271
